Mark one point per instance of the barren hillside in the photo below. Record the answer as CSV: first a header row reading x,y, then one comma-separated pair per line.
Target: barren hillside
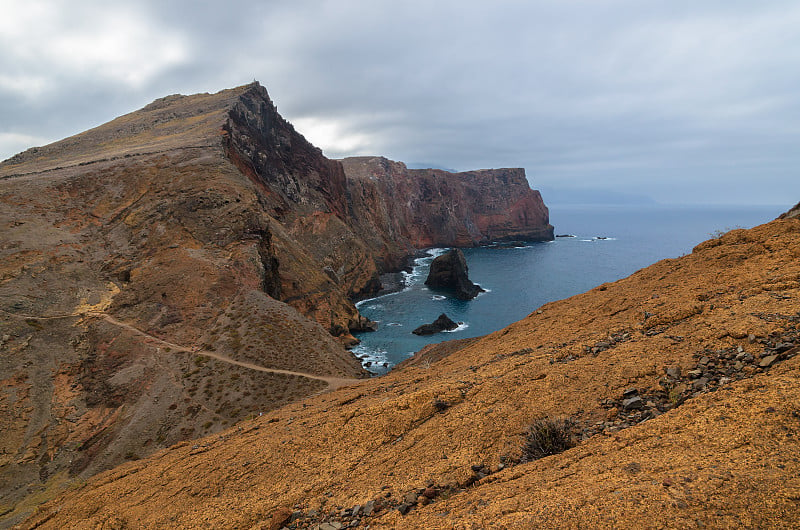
x,y
682,382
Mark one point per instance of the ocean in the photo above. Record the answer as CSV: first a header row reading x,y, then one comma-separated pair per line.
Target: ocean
x,y
609,243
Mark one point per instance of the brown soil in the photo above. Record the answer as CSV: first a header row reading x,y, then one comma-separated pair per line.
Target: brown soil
x,y
723,453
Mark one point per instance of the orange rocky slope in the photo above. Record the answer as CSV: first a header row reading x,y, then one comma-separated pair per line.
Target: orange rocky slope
x,y
708,438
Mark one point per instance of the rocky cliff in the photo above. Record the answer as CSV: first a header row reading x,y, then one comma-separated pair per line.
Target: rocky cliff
x,y
169,273
431,207
678,389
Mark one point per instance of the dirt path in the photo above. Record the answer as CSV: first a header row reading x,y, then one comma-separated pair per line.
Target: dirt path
x,y
333,382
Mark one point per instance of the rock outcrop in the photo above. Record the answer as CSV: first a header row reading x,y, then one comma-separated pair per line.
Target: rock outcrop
x,y
450,272
681,385
442,323
792,213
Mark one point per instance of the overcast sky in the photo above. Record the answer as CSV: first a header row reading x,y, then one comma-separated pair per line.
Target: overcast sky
x,y
683,101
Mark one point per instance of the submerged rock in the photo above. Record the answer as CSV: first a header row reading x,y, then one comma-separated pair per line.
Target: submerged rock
x,y
443,323
450,271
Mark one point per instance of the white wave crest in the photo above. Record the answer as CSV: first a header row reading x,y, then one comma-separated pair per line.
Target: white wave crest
x,y
461,327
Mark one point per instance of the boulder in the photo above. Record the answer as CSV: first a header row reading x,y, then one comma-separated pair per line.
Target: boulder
x,y
443,323
449,271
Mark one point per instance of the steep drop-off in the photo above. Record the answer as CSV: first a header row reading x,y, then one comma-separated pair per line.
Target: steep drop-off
x,y
683,382
431,207
167,274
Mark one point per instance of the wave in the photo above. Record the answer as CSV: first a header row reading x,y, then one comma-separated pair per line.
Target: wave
x,y
372,306
434,253
372,359
461,327
414,277
361,303
438,297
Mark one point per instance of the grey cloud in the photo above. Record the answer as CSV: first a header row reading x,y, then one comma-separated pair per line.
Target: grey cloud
x,y
683,101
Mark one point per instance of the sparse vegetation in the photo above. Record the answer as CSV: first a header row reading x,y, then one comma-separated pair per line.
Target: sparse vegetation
x,y
440,405
718,233
548,436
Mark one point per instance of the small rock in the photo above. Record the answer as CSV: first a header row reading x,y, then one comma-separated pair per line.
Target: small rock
x,y
766,362
356,510
674,372
703,360
279,518
634,403
404,508
476,467
442,323
411,497
430,492
369,508
700,384
695,374
783,346
630,392
738,365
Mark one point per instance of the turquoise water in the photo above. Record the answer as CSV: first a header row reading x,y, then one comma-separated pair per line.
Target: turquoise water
x,y
609,244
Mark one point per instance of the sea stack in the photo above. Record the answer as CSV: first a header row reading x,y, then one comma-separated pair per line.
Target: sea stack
x,y
442,323
449,271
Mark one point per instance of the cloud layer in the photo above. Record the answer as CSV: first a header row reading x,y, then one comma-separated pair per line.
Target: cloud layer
x,y
682,102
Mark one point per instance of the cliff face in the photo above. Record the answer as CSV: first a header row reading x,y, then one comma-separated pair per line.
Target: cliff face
x,y
174,271
361,216
430,207
683,383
